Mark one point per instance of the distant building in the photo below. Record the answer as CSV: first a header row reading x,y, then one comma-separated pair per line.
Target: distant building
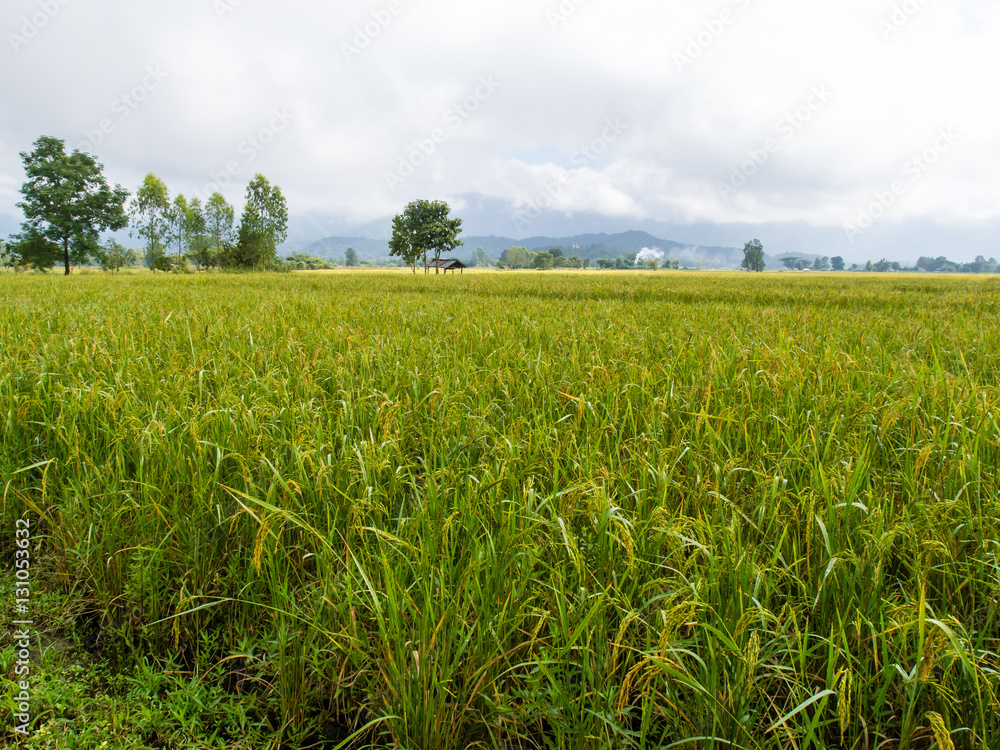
x,y
447,265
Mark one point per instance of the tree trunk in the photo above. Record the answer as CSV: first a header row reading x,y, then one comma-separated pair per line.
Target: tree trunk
x,y
66,254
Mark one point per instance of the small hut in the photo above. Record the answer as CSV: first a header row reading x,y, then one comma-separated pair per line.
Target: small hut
x,y
447,265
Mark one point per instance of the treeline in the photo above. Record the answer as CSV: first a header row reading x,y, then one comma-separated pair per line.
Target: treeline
x,y
520,257
68,204
930,265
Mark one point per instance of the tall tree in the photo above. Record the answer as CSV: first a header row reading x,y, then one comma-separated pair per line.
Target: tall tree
x,y
753,256
67,200
404,243
264,224
7,257
219,219
351,257
422,228
178,221
151,217
837,262
195,232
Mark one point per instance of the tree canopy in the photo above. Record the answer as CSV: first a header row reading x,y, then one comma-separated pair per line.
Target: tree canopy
x,y
422,228
219,219
753,256
67,204
151,218
264,225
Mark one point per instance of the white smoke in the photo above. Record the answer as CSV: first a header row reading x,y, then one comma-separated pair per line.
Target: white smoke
x,y
647,254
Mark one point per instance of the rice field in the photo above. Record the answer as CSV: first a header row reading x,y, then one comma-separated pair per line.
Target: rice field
x,y
592,510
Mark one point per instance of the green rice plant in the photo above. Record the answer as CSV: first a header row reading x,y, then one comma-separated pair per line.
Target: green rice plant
x,y
521,511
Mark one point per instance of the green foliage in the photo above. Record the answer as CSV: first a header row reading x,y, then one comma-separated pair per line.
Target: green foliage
x,y
753,256
518,257
350,257
422,228
197,241
942,265
482,258
837,263
263,226
543,262
8,257
67,203
575,511
113,256
33,249
178,218
219,220
151,219
306,262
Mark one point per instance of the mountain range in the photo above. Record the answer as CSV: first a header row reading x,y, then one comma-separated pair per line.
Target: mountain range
x,y
591,246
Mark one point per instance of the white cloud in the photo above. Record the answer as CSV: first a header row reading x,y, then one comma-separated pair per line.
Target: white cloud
x,y
688,126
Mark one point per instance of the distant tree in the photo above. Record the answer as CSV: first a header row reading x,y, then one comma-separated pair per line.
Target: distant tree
x,y
263,226
8,258
34,250
753,256
675,265
801,264
518,257
883,266
482,258
219,219
821,264
151,218
837,263
112,256
544,262
67,200
586,262
981,265
351,258
306,262
605,263
422,228
789,262
556,252
574,261
177,222
199,242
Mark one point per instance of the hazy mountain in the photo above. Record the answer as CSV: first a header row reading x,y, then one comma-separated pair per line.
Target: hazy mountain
x,y
591,246
494,222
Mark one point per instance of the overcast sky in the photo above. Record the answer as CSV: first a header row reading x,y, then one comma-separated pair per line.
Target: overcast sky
x,y
851,115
